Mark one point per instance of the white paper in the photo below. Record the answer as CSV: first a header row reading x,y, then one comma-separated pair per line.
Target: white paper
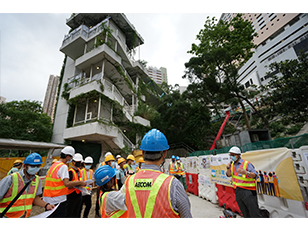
x,y
46,214
88,182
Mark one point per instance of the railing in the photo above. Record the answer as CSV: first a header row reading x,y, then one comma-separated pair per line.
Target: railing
x,y
126,141
81,30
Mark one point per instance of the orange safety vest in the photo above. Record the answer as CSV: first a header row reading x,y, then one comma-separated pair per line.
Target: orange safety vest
x,y
84,177
242,181
102,164
116,214
147,194
173,167
180,169
54,185
137,169
23,205
75,178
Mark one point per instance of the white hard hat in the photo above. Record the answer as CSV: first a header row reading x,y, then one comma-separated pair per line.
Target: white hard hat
x,y
235,150
77,157
118,156
108,153
88,160
68,150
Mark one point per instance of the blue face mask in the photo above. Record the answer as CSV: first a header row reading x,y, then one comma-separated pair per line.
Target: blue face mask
x,y
69,161
33,170
87,167
113,164
233,158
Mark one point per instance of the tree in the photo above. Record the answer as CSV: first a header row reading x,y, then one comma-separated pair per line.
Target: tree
x,y
223,49
24,120
287,90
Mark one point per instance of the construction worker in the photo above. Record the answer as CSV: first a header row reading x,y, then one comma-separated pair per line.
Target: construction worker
x,y
121,173
86,175
181,173
57,183
149,192
104,162
244,177
105,179
140,163
116,162
16,167
173,168
130,161
74,196
12,184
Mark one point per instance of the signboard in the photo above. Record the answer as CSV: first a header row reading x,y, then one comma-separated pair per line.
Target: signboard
x,y
218,169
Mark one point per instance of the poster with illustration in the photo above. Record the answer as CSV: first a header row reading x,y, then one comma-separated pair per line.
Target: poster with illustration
x,y
204,162
218,165
192,164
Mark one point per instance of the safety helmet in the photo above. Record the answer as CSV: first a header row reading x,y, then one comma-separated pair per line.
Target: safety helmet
x,y
54,160
177,158
33,159
141,160
173,157
108,153
68,150
17,162
130,157
154,140
235,150
121,160
104,174
109,158
77,157
118,156
88,160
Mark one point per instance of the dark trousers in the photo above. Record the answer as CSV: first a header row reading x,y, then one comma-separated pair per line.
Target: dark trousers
x,y
247,201
60,212
86,200
73,205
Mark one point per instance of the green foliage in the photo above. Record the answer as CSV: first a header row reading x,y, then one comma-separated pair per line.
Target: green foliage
x,y
146,111
276,128
293,130
65,93
24,120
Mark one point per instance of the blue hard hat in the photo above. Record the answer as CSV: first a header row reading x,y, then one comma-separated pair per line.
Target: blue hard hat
x,y
104,174
33,159
177,158
173,157
153,141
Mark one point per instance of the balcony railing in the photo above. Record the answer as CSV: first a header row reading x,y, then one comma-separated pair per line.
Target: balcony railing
x,y
82,30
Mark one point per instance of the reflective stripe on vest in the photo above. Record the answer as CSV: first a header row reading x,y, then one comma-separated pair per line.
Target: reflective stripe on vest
x,y
242,181
115,214
180,170
54,185
146,193
84,176
173,166
75,178
24,203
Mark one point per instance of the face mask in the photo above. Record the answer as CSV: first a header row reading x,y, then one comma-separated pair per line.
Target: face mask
x,y
87,167
69,161
173,160
33,170
124,166
113,164
233,158
178,162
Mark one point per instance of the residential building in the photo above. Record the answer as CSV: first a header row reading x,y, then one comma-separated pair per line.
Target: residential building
x,y
50,96
158,75
100,87
280,36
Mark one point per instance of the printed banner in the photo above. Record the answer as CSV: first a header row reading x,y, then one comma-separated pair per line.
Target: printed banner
x,y
204,180
218,169
204,162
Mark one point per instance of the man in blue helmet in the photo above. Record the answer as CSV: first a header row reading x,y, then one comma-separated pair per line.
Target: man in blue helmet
x,y
173,167
149,192
11,185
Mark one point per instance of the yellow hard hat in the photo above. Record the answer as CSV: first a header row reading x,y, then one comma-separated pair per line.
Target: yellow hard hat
x,y
120,160
54,160
130,157
141,160
109,157
17,161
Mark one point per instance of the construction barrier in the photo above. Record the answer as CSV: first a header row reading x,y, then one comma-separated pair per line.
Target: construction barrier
x,y
192,183
226,196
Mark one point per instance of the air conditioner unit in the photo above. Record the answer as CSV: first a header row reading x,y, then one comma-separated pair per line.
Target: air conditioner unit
x,y
89,116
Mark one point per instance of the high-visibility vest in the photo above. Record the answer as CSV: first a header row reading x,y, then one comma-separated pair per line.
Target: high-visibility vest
x,y
242,181
102,164
173,167
54,185
102,204
75,178
137,169
180,169
84,177
147,195
23,205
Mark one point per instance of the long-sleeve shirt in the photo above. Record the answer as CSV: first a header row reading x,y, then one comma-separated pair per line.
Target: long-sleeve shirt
x,y
179,199
250,167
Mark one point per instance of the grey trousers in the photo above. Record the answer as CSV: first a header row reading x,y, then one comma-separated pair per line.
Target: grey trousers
x,y
247,201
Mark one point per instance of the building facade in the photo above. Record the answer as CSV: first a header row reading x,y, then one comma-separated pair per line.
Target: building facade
x,y
50,96
280,36
100,87
2,99
158,75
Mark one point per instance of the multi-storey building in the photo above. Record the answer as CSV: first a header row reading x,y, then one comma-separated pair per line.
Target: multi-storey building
x,y
101,84
280,36
50,96
158,75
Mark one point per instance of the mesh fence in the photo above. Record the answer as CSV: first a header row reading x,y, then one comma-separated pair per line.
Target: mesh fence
x,y
289,142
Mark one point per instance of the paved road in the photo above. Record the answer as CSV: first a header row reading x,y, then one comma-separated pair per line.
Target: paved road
x,y
201,208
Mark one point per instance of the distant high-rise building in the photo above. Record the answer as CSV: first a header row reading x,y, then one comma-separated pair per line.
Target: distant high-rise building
x,y
158,75
50,96
2,99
